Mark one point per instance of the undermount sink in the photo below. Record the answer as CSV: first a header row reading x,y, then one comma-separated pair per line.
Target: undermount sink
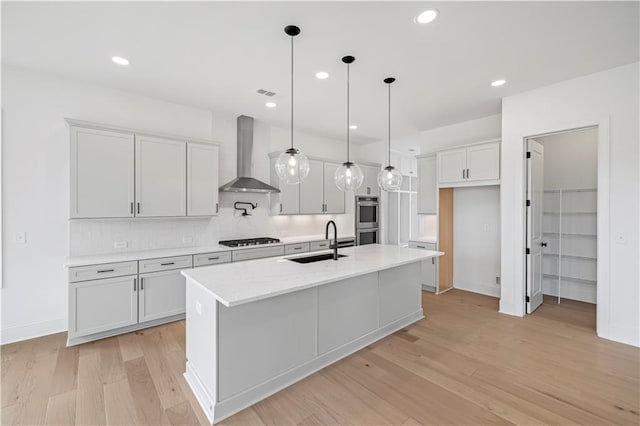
x,y
314,258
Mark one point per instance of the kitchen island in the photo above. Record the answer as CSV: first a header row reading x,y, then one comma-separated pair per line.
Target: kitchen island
x,y
257,327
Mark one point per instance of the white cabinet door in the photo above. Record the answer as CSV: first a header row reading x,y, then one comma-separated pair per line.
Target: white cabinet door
x,y
161,188
162,294
429,273
311,189
102,174
289,198
202,179
427,186
102,305
370,183
483,162
452,165
333,197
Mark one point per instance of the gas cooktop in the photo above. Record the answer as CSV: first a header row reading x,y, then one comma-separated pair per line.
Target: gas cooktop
x,y
249,242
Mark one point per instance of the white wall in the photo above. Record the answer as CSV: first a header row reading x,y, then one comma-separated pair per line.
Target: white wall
x,y
35,195
608,99
571,159
481,129
476,239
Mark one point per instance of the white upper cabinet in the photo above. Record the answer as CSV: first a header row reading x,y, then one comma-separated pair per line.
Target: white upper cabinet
x,y
102,174
370,183
333,197
483,162
427,186
311,189
161,173
288,200
202,179
452,165
477,164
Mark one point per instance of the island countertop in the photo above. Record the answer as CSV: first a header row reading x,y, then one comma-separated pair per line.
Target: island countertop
x,y
238,283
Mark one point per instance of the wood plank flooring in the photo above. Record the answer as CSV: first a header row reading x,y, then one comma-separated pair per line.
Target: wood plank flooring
x,y
463,364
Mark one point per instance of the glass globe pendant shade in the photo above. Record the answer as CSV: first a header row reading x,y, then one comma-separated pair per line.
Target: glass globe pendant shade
x,y
292,166
389,179
348,177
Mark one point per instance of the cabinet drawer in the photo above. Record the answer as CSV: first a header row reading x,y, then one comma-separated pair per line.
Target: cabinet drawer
x,y
165,264
320,245
424,246
106,270
257,253
211,258
296,248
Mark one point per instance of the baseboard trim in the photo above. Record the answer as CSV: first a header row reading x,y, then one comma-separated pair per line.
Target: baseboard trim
x,y
30,331
486,289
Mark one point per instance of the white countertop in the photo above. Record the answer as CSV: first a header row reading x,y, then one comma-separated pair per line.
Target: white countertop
x,y
237,283
126,256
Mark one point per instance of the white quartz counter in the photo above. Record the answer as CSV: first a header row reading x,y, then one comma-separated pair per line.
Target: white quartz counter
x,y
126,256
235,284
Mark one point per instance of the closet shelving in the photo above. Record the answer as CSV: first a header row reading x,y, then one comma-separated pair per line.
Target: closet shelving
x,y
570,258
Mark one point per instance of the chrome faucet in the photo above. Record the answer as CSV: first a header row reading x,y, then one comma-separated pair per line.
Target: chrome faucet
x,y
335,238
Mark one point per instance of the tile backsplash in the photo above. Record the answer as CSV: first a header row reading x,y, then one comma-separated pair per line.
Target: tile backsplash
x,y
95,236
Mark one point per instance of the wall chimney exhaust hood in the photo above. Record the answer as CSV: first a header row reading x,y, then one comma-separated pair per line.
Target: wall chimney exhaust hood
x,y
244,182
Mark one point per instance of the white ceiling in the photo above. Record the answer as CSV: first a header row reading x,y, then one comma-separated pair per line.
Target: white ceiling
x,y
215,55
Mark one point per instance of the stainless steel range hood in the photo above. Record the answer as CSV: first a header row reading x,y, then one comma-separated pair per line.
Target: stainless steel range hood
x,y
244,182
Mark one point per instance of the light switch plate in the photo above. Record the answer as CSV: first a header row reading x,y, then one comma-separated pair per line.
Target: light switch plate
x,y
187,239
21,238
621,238
198,308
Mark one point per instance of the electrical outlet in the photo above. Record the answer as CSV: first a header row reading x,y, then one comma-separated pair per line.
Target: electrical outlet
x,y
120,244
187,239
21,238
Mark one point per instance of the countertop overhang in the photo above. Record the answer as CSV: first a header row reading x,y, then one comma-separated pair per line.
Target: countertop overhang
x,y
238,283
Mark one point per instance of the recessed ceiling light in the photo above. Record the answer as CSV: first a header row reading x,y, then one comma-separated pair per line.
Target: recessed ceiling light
x,y
426,16
498,83
322,75
271,104
353,127
120,60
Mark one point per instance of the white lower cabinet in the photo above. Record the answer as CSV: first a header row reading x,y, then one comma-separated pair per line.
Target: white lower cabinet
x,y
429,267
161,294
101,305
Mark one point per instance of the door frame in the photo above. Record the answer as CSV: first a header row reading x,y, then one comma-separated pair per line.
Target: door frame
x,y
603,231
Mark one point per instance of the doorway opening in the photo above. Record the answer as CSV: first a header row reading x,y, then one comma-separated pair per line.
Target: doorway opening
x,y
561,222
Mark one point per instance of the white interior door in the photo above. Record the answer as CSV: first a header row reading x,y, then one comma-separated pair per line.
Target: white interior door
x,y
535,187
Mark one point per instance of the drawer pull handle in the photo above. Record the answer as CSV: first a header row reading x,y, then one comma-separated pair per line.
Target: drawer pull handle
x,y
422,247
167,263
213,258
105,270
297,248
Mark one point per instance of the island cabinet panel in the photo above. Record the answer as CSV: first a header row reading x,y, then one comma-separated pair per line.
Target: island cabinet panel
x,y
347,310
399,292
162,294
281,331
100,305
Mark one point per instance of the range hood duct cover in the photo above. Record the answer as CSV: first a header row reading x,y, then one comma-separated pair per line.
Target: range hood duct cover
x,y
244,182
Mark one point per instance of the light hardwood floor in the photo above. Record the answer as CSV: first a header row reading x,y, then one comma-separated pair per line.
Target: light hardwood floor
x,y
463,364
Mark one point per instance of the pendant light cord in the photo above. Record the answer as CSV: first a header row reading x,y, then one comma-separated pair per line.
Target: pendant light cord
x,y
291,92
348,109
389,119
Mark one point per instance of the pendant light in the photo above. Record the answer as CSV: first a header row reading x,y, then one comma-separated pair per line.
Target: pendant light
x,y
348,176
389,178
292,166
